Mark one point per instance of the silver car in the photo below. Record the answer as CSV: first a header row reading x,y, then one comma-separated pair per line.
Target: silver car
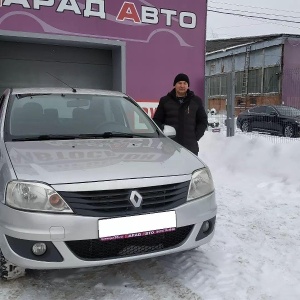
x,y
88,179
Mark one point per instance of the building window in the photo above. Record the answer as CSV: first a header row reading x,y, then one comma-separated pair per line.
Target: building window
x,y
241,102
217,85
271,79
253,101
254,81
214,85
239,82
223,85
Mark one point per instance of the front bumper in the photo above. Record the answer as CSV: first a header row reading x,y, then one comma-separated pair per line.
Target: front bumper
x,y
19,230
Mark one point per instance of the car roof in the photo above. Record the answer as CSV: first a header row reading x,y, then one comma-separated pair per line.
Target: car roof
x,y
58,90
270,105
276,106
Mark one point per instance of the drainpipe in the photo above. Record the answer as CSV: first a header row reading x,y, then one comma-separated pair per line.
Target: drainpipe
x,y
231,98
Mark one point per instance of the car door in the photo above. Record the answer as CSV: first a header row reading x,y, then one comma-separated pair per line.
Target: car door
x,y
272,120
258,114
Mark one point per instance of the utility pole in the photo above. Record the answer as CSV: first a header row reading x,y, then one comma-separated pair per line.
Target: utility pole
x,y
206,93
231,99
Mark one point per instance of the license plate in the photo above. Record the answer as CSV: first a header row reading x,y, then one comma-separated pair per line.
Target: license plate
x,y
135,226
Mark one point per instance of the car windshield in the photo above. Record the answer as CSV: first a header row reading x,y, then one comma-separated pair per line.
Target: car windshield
x,y
62,116
288,111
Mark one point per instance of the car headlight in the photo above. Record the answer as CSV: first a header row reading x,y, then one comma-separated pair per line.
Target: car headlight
x,y
35,196
201,184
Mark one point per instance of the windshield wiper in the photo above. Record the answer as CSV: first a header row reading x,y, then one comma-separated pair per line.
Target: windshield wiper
x,y
20,96
46,137
105,135
110,134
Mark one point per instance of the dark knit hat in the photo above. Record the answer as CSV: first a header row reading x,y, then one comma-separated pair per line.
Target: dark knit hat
x,y
181,77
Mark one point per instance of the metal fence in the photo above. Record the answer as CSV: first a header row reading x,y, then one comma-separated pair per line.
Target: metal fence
x,y
275,114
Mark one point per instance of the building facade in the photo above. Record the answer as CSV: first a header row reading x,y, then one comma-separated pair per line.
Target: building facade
x,y
266,70
129,46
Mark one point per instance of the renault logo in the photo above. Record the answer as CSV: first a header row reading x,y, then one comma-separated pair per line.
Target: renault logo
x,y
136,199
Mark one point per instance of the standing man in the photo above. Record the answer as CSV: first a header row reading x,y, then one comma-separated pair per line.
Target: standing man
x,y
183,110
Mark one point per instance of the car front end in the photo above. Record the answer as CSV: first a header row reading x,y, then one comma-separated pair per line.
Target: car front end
x,y
40,240
95,195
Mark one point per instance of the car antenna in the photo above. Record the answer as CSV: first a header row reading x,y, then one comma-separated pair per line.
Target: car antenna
x,y
73,89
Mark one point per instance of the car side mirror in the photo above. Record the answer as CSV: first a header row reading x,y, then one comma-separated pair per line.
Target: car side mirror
x,y
273,113
169,131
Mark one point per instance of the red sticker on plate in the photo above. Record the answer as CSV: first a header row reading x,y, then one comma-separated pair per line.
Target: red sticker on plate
x,y
137,234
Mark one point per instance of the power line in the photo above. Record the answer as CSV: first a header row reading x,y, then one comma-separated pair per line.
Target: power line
x,y
258,24
254,17
246,25
257,7
214,35
258,13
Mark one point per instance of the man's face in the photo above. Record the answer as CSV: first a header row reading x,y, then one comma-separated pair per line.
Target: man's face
x,y
181,87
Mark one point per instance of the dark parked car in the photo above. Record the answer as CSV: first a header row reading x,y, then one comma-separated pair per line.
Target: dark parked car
x,y
274,119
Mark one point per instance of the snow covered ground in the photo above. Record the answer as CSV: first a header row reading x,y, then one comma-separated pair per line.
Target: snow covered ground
x,y
255,251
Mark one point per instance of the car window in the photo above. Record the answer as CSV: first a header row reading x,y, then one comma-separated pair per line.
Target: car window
x,y
270,110
258,110
73,114
288,111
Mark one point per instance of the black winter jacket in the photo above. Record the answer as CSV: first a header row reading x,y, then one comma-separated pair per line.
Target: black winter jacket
x,y
189,118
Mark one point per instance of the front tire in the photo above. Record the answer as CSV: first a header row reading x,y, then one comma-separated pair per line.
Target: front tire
x,y
288,131
246,126
9,271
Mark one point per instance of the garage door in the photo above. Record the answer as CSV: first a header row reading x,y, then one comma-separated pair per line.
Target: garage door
x,y
41,65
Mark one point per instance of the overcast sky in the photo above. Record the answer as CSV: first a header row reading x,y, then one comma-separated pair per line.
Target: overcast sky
x,y
227,26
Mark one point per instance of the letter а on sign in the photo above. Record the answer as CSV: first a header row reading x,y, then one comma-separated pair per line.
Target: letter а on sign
x,y
128,11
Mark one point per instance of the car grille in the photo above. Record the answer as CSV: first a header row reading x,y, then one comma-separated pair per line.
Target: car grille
x,y
116,202
97,250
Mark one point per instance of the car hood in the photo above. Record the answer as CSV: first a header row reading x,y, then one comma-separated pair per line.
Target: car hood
x,y
77,161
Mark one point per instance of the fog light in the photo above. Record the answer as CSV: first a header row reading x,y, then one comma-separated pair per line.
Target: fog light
x,y
205,226
39,248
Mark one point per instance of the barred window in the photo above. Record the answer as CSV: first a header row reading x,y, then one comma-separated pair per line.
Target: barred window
x,y
271,79
223,85
254,81
214,85
253,101
239,82
217,85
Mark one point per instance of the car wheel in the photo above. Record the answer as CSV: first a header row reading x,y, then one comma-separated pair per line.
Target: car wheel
x,y
288,131
246,126
9,271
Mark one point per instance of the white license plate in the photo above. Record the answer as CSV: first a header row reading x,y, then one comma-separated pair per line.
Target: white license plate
x,y
125,227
